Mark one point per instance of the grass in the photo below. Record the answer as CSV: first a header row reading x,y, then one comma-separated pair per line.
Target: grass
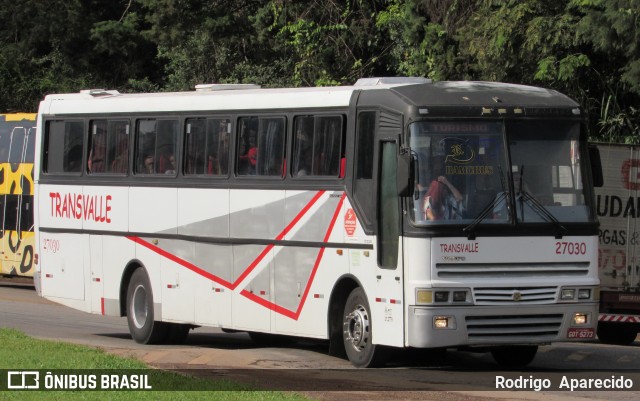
x,y
20,352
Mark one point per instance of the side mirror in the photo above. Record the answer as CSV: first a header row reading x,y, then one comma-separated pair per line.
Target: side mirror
x,y
596,166
405,173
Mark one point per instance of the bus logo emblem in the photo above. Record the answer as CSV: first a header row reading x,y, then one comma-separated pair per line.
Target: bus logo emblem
x,y
350,222
517,296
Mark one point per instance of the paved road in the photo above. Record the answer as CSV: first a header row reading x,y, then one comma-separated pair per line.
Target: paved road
x,y
306,366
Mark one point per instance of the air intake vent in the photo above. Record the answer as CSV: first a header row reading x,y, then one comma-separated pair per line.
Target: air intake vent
x,y
513,270
513,296
514,327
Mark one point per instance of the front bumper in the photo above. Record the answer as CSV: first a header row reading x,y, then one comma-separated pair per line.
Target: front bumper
x,y
493,325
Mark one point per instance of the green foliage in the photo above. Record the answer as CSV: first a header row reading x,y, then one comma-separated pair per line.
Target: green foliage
x,y
588,49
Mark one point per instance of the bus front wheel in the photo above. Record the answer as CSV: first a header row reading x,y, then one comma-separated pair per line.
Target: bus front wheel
x,y
140,318
357,332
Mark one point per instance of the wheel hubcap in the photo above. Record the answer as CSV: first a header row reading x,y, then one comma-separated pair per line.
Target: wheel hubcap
x,y
357,328
139,306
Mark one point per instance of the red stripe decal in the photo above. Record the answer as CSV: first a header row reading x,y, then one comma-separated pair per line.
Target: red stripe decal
x,y
279,237
319,258
180,261
253,297
102,306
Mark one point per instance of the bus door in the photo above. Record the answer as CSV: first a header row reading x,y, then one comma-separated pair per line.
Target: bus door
x,y
387,302
379,270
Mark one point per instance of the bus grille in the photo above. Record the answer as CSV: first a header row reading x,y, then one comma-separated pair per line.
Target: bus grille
x,y
511,270
515,296
514,327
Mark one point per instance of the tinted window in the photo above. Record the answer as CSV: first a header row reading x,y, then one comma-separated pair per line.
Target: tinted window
x,y
317,146
156,147
63,146
108,147
261,143
207,146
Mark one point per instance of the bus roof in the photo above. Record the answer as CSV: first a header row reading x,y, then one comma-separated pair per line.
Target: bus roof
x,y
476,93
414,90
228,98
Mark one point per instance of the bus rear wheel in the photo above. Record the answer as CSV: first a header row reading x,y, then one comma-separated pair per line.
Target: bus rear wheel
x,y
357,332
140,318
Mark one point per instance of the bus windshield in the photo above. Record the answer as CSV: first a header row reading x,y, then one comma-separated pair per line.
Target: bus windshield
x,y
463,174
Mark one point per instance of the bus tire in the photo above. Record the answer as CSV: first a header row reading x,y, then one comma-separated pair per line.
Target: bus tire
x,y
357,332
617,333
140,318
515,356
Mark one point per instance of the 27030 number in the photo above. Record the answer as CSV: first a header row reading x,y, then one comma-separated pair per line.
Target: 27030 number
x,y
50,245
571,248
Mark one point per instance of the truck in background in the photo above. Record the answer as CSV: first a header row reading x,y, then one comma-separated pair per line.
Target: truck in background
x,y
618,208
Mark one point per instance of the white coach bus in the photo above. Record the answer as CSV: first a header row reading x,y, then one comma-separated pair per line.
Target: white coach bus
x,y
394,213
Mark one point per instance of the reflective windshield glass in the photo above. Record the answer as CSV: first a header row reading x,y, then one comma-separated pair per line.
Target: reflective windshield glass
x,y
460,172
462,175
547,178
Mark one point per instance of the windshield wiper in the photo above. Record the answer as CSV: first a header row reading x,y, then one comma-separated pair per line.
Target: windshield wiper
x,y
542,211
539,208
502,196
470,229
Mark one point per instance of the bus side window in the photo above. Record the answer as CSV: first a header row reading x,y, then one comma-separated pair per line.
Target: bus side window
x,y
261,144
63,145
363,183
155,147
318,146
108,147
207,146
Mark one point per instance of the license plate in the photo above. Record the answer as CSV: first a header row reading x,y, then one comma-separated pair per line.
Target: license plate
x,y
580,333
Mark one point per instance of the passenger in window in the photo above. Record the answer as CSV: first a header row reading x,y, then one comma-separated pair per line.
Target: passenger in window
x,y
170,167
250,157
442,201
149,167
165,163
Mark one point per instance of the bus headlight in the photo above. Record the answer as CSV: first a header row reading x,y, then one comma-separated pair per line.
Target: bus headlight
x,y
444,322
460,296
424,296
568,294
443,296
580,294
580,319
